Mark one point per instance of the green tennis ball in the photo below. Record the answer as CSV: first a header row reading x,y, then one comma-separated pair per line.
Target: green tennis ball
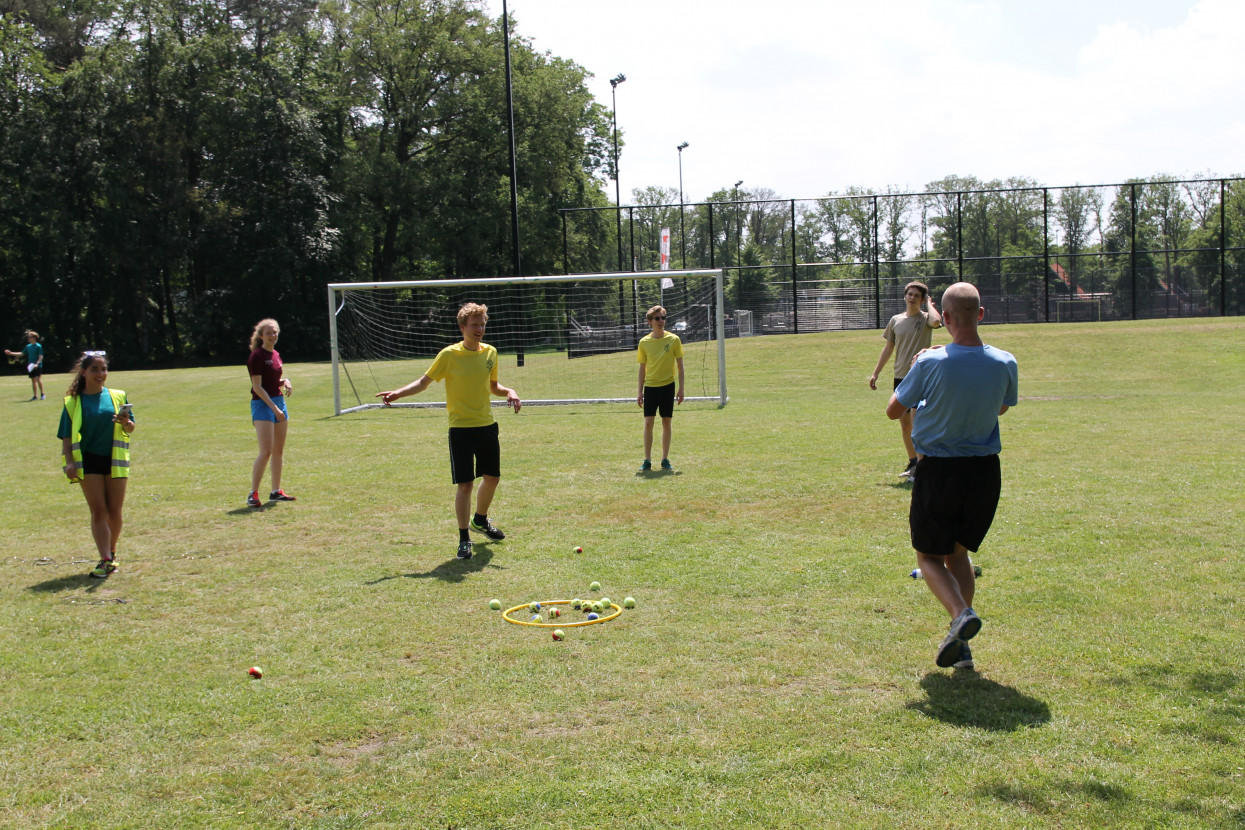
x,y
629,602
534,607
598,607
596,586
495,604
577,603
605,603
558,635
536,618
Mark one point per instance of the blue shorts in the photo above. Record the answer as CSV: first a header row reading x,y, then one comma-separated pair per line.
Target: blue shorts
x,y
261,412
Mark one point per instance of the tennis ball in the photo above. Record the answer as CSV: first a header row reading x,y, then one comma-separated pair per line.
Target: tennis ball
x,y
598,607
605,603
558,635
592,616
255,672
536,618
534,607
578,549
596,586
554,612
577,603
495,604
629,602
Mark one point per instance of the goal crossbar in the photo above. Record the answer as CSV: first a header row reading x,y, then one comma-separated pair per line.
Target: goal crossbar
x,y
701,311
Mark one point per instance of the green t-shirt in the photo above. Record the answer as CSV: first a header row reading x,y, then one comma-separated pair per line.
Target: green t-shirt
x,y
467,377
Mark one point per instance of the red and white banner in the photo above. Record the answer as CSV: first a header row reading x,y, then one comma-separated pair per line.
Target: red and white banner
x,y
665,249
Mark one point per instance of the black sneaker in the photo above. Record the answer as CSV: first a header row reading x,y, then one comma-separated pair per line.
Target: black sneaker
x,y
950,652
252,499
279,495
966,625
966,659
909,472
464,549
487,529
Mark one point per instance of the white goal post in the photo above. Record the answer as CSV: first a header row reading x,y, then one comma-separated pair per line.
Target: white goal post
x,y
560,339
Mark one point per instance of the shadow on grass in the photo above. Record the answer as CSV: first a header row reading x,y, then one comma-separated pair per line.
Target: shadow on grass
x,y
965,698
452,570
657,473
73,582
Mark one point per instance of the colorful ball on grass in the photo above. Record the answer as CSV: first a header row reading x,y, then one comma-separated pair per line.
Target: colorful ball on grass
x,y
592,615
554,613
534,607
558,635
596,586
578,549
536,618
629,602
606,603
255,672
495,604
577,603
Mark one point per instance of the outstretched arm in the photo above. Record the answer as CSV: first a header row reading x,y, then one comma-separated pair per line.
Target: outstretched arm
x,y
412,388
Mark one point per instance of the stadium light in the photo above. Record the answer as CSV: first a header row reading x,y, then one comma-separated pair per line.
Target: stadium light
x,y
682,228
739,225
614,82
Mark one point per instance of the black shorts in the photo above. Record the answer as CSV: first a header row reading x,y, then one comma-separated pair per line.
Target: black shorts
x,y
94,464
953,501
35,372
474,452
659,398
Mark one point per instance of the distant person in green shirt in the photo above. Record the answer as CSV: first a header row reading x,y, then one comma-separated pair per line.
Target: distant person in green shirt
x,y
470,372
659,354
33,353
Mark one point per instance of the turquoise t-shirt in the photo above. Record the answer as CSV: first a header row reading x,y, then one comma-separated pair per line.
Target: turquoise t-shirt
x,y
33,351
97,425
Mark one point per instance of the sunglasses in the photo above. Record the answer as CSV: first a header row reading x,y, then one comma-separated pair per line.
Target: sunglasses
x,y
100,353
658,317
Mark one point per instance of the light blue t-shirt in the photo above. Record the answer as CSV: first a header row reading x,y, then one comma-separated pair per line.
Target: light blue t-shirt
x,y
957,392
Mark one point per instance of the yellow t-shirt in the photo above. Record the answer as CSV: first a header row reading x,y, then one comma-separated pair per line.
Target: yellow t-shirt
x,y
659,357
467,375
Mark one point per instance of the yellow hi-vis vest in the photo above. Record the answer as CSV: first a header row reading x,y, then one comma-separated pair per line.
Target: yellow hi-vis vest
x,y
120,440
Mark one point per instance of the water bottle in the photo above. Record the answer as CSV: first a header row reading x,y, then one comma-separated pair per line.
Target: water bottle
x,y
916,572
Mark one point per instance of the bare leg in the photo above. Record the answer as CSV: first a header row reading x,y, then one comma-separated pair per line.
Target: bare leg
x,y
905,427
484,496
278,452
264,431
950,579
114,489
94,487
665,438
648,436
462,503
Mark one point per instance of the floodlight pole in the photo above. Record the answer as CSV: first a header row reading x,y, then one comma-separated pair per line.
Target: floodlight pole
x,y
514,171
682,228
739,226
614,82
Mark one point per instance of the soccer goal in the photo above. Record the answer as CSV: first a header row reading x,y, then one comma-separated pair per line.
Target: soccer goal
x,y
561,339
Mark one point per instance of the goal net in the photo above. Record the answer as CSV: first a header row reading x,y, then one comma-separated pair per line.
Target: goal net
x,y
561,339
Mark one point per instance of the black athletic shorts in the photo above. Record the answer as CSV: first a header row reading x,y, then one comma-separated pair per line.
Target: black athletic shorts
x,y
659,398
953,500
96,465
35,372
474,452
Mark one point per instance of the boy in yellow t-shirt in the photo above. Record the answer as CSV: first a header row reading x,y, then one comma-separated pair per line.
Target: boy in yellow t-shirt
x,y
469,370
659,355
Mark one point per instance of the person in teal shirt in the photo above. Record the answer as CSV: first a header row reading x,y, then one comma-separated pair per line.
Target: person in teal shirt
x,y
33,352
95,429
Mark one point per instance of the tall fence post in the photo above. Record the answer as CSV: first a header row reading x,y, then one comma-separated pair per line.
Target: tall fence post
x,y
1223,246
1045,256
566,250
1132,244
795,275
959,234
877,269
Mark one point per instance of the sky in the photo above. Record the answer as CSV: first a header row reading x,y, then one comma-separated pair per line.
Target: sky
x,y
809,97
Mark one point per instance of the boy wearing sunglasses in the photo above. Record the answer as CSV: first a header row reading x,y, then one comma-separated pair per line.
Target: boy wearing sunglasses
x,y
660,355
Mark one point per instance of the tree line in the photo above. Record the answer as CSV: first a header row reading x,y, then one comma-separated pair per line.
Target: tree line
x,y
173,170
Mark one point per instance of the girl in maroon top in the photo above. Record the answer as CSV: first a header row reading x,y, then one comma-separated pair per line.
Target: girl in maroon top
x,y
268,411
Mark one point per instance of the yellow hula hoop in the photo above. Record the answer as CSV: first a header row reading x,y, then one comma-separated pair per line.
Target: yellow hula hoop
x,y
527,606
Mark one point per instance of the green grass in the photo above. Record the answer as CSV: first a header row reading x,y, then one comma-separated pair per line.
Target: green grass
x,y
778,672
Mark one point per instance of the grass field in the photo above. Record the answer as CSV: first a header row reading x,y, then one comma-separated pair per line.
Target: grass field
x,y
778,672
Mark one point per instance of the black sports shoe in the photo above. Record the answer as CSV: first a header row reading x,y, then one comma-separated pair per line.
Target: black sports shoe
x,y
105,569
252,499
966,659
950,652
487,529
279,495
464,549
